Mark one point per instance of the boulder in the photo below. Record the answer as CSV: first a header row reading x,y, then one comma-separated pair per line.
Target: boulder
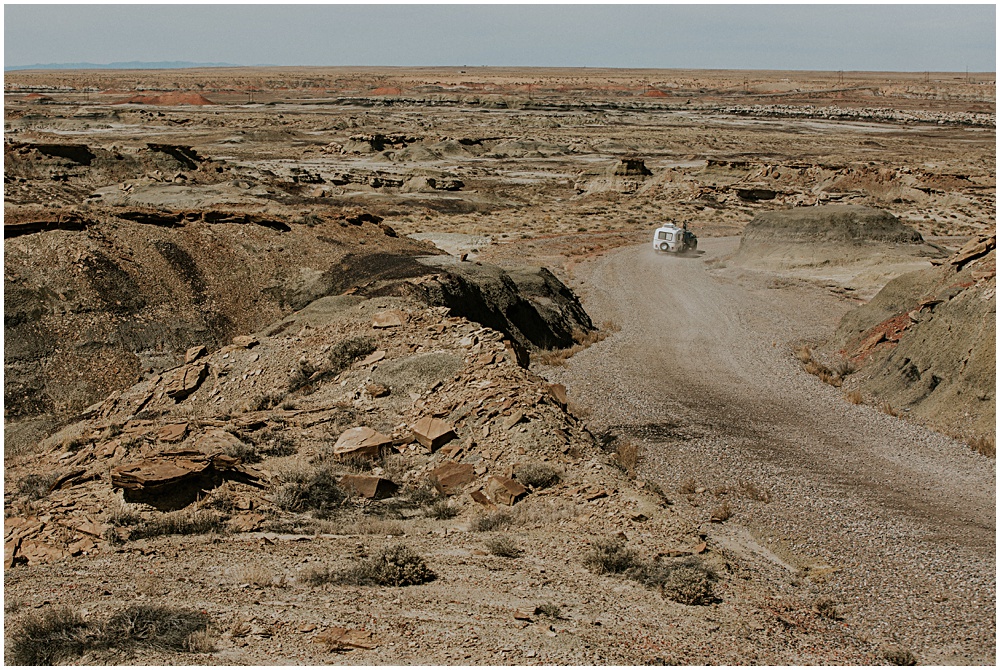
x,y
185,380
194,353
390,318
558,393
361,441
245,341
366,486
505,491
172,432
171,480
433,433
450,477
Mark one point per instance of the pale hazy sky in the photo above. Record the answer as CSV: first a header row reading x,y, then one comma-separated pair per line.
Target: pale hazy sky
x,y
807,37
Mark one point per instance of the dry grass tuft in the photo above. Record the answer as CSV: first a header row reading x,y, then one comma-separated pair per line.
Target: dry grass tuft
x,y
899,656
52,636
499,520
536,475
754,492
627,458
504,547
181,522
886,408
394,565
610,557
854,397
687,487
985,445
833,376
722,513
581,340
59,634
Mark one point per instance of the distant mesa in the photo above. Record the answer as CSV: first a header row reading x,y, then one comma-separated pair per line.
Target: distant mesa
x,y
167,99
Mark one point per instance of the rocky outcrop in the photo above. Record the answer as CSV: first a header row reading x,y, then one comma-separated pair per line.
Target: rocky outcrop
x,y
858,248
927,342
834,224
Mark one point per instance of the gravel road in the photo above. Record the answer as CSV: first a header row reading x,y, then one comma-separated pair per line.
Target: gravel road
x,y
897,523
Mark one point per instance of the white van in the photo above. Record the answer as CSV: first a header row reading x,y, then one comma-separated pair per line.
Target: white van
x,y
672,238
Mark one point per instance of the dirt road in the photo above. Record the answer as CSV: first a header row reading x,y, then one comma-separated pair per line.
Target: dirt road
x,y
894,522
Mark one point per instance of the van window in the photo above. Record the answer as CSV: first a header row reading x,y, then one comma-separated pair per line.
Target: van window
x,y
661,235
668,236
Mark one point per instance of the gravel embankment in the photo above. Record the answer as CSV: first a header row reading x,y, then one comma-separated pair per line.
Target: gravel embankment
x,y
897,522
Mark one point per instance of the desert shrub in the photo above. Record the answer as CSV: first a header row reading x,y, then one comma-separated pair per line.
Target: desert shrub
x,y
347,351
985,445
493,521
722,513
442,511
154,626
54,635
609,557
378,527
59,634
125,514
504,547
627,458
754,492
854,397
688,585
256,575
300,376
35,486
394,565
181,522
886,408
827,609
275,442
247,453
688,486
550,610
899,656
537,475
265,402
314,490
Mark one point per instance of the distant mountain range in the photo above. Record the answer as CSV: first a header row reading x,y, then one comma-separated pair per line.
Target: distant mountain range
x,y
130,65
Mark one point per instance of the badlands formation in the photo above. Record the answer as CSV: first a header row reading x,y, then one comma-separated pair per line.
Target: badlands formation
x,y
378,366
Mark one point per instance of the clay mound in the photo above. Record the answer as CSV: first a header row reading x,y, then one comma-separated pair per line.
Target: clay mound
x,y
850,224
654,93
167,99
926,344
387,90
858,248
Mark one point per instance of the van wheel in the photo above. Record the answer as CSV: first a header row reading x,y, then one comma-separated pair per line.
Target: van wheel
x,y
664,246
